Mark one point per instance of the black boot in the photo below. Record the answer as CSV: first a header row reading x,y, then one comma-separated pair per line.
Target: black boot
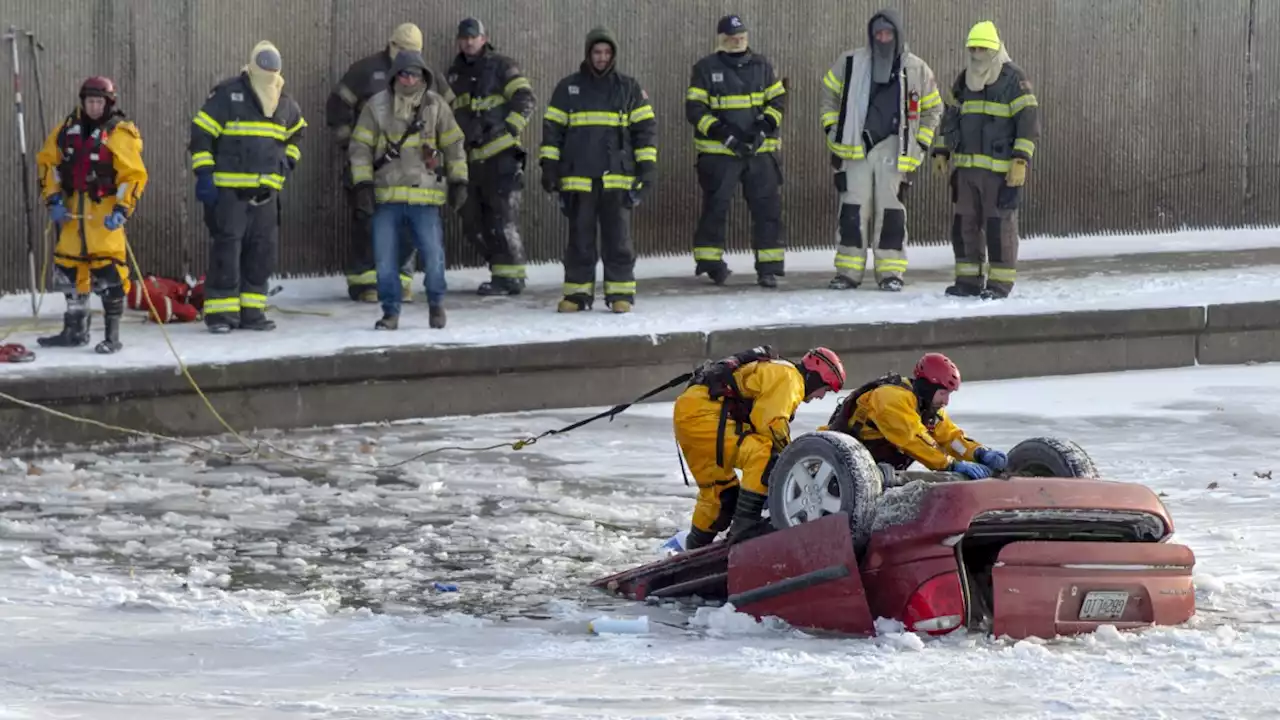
x,y
840,282
501,286
698,537
113,311
75,325
716,270
437,316
388,322
746,516
255,319
960,289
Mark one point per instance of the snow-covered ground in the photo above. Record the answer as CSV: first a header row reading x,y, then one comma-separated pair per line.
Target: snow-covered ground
x,y
152,583
323,322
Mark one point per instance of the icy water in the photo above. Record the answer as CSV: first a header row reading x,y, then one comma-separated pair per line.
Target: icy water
x,y
159,582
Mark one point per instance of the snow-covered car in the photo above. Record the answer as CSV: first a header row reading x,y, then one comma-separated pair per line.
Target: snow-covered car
x,y
1044,549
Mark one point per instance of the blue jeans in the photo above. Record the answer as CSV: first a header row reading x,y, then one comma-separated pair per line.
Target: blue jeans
x,y
428,237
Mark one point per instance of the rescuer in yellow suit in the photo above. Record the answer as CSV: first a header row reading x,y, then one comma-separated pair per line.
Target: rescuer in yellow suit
x,y
737,413
91,177
902,421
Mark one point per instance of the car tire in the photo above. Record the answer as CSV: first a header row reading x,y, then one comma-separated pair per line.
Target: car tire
x,y
1050,457
853,483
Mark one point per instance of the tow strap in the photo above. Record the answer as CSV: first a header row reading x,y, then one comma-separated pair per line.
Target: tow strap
x,y
610,413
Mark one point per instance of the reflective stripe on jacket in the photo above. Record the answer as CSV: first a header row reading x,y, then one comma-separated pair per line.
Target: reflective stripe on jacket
x,y
987,129
411,178
245,148
599,127
736,91
917,84
492,104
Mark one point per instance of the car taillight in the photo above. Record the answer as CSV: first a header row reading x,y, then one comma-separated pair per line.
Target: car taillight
x,y
937,606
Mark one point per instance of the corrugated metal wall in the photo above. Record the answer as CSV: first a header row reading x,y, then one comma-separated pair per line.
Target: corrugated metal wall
x,y
1157,114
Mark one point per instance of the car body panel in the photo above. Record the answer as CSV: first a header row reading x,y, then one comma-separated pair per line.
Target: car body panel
x,y
1031,582
1039,587
808,576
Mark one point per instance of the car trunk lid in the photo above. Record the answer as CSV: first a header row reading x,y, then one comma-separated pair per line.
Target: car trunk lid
x,y
1047,588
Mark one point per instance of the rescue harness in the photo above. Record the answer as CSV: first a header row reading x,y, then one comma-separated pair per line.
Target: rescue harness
x,y
86,164
718,377
881,449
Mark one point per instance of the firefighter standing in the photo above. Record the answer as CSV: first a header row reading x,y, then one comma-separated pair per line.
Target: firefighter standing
x,y
738,415
407,158
989,134
244,146
599,152
880,109
736,104
364,79
91,176
493,101
903,421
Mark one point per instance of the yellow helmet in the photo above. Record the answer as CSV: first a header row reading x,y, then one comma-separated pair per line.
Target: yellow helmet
x,y
984,35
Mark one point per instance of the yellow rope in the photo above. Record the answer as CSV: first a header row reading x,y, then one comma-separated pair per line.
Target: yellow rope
x,y
252,449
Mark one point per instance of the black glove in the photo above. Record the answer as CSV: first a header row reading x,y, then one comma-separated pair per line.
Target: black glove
x,y
262,197
457,195
765,124
720,131
638,193
365,203
550,176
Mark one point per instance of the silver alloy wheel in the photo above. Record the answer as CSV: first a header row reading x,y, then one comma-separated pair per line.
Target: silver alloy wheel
x,y
810,491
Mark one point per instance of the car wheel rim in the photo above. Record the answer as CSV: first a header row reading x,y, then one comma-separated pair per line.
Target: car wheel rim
x,y
811,490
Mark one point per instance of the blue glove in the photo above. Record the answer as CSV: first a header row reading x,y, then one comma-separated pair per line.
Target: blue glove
x,y
59,212
206,191
115,220
993,459
973,470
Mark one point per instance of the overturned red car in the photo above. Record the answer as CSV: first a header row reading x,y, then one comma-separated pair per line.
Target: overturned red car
x,y
1045,549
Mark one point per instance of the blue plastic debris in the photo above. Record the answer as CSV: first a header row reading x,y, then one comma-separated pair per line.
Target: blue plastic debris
x,y
445,587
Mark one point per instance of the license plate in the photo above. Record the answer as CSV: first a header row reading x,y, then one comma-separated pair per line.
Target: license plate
x,y
1104,605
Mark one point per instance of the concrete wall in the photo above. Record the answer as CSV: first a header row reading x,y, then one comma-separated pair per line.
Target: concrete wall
x,y
431,382
1158,114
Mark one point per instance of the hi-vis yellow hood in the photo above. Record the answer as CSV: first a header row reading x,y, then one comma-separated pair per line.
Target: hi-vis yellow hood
x,y
264,75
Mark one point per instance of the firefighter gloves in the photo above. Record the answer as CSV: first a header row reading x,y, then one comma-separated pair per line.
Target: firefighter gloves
x,y
973,471
58,212
206,191
115,220
993,459
457,195
1017,174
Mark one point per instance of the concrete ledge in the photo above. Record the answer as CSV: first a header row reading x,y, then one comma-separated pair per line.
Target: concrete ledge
x,y
1241,333
414,382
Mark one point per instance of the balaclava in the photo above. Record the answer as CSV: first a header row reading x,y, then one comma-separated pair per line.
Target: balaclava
x,y
884,55
408,98
264,76
983,66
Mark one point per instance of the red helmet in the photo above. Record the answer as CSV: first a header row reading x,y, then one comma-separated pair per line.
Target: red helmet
x,y
827,365
939,370
98,86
